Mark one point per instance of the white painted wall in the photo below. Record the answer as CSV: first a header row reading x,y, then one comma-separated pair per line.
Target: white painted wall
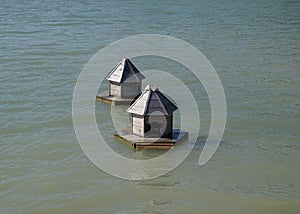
x,y
115,90
138,126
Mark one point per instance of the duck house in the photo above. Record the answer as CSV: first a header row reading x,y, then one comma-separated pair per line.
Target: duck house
x,y
152,114
151,122
124,83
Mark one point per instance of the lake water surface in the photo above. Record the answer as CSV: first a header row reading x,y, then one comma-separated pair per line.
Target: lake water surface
x,y
253,45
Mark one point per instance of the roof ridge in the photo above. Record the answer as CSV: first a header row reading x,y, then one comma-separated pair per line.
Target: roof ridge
x,y
144,105
139,98
160,101
114,69
147,102
127,71
166,98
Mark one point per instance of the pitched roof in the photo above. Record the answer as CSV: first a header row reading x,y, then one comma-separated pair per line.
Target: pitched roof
x,y
151,101
125,71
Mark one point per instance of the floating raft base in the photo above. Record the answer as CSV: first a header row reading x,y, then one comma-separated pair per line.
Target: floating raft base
x,y
136,142
104,97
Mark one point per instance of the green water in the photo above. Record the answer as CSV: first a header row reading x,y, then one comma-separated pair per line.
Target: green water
x,y
253,45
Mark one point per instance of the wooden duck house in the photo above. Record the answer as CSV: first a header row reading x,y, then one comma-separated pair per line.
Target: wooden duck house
x,y
151,122
124,83
152,114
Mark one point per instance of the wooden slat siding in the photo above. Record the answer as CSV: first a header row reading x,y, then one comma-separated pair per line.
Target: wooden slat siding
x,y
138,127
123,140
130,90
104,97
147,143
104,100
154,146
114,90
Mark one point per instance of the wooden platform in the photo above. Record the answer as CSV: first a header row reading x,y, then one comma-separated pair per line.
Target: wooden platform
x,y
104,97
136,142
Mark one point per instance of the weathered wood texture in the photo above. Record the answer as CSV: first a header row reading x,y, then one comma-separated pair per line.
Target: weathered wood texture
x,y
126,137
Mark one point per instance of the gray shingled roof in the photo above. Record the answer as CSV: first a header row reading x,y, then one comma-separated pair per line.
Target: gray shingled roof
x,y
152,100
125,71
